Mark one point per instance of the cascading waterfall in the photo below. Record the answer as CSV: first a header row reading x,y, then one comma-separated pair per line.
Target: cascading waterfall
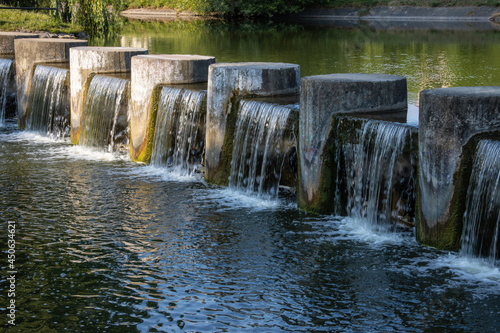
x,y
259,148
6,74
373,167
48,110
105,120
482,216
179,134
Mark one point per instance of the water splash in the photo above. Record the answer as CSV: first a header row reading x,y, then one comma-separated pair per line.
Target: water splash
x,y
179,140
482,216
375,169
6,76
105,121
259,148
48,110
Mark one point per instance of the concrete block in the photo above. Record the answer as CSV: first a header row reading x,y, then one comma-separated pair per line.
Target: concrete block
x,y
30,52
449,118
7,40
149,71
88,60
227,84
321,97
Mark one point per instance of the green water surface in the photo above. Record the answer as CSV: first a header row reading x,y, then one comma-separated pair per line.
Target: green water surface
x,y
431,55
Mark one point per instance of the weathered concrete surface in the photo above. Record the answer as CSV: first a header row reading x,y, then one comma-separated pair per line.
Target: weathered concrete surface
x,y
87,60
227,84
148,71
31,51
7,40
321,97
449,118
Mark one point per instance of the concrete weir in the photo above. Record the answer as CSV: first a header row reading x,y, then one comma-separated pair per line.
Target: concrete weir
x,y
321,98
7,41
30,52
149,72
85,61
451,119
227,84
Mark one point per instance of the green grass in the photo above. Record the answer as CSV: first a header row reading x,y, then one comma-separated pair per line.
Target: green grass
x,y
29,21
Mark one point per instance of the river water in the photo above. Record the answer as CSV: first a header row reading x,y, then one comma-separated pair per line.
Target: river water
x,y
106,245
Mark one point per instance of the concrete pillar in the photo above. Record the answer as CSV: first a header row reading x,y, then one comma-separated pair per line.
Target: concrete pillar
x,y
449,118
90,60
149,71
321,97
7,41
30,52
227,84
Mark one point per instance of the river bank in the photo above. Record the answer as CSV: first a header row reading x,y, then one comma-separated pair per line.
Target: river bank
x,y
393,13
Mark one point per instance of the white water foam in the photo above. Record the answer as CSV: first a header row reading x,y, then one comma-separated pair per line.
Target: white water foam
x,y
28,137
61,148
369,233
86,153
160,173
474,274
334,229
226,199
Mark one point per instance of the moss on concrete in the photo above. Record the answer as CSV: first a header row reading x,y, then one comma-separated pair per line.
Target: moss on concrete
x,y
290,135
324,201
333,191
446,235
75,136
144,152
220,175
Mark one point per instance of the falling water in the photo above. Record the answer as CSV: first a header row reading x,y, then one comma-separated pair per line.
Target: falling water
x,y
375,168
105,120
482,215
6,74
259,148
48,109
179,133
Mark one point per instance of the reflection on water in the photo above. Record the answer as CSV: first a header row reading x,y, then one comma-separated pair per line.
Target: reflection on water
x,y
428,58
107,245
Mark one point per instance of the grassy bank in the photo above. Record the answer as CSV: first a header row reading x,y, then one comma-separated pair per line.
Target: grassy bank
x,y
200,6
102,22
29,21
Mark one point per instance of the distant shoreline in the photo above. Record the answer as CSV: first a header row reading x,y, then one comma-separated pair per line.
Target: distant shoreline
x,y
389,13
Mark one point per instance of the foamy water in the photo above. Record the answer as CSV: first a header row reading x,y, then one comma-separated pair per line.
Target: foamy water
x,y
225,199
160,173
